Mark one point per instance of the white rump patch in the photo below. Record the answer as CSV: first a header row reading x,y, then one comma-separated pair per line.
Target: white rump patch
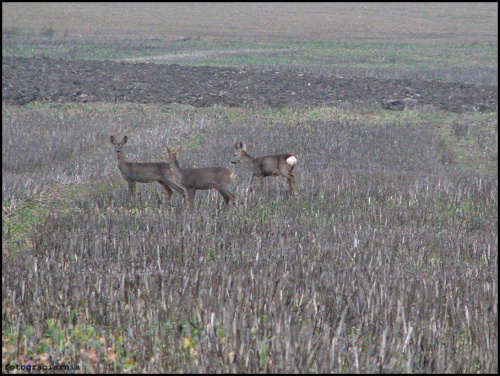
x,y
291,160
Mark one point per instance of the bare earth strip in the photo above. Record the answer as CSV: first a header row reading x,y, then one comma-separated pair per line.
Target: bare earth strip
x,y
50,80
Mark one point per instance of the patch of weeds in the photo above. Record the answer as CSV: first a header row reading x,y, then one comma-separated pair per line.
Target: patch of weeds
x,y
19,223
17,227
193,142
47,31
11,32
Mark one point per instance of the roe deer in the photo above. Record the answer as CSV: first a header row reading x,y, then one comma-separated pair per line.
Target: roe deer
x,y
145,172
270,165
192,179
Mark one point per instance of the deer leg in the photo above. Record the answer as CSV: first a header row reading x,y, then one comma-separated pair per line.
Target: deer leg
x,y
292,185
179,188
172,184
190,198
228,196
233,196
261,178
225,195
167,188
251,180
131,189
291,180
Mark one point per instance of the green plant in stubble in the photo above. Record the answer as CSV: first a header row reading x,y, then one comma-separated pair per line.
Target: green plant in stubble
x,y
210,254
47,31
11,31
16,229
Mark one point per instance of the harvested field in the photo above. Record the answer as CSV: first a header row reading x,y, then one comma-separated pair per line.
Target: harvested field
x,y
431,23
386,261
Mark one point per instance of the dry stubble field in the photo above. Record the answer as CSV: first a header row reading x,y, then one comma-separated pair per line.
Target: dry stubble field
x,y
386,261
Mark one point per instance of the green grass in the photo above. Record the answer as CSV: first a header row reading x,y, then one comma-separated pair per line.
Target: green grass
x,y
27,214
400,58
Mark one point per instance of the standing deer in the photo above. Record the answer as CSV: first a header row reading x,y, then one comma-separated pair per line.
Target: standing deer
x,y
145,172
270,165
192,179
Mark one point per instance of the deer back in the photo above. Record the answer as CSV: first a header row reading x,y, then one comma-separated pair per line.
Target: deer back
x,y
146,172
204,178
271,165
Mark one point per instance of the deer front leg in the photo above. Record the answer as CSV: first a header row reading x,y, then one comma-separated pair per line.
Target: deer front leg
x,y
250,184
131,189
190,198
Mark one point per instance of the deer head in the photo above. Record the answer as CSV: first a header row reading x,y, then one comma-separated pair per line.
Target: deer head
x,y
240,148
118,145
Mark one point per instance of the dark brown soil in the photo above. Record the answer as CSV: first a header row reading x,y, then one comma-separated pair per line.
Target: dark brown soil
x,y
49,80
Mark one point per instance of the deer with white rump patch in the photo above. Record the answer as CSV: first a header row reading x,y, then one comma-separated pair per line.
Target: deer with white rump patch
x,y
193,179
145,172
270,165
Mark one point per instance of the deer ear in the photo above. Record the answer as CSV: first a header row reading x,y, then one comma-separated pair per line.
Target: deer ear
x,y
243,146
112,139
124,140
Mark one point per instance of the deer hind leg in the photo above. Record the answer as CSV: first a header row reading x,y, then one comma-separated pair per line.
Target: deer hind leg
x,y
226,193
261,178
190,198
167,189
173,185
293,186
292,183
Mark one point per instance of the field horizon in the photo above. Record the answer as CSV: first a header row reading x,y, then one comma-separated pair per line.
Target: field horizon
x,y
386,22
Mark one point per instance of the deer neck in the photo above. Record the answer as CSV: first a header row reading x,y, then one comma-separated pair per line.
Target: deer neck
x,y
245,157
174,165
120,158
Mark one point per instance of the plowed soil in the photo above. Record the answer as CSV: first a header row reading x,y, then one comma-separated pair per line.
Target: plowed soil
x,y
49,80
